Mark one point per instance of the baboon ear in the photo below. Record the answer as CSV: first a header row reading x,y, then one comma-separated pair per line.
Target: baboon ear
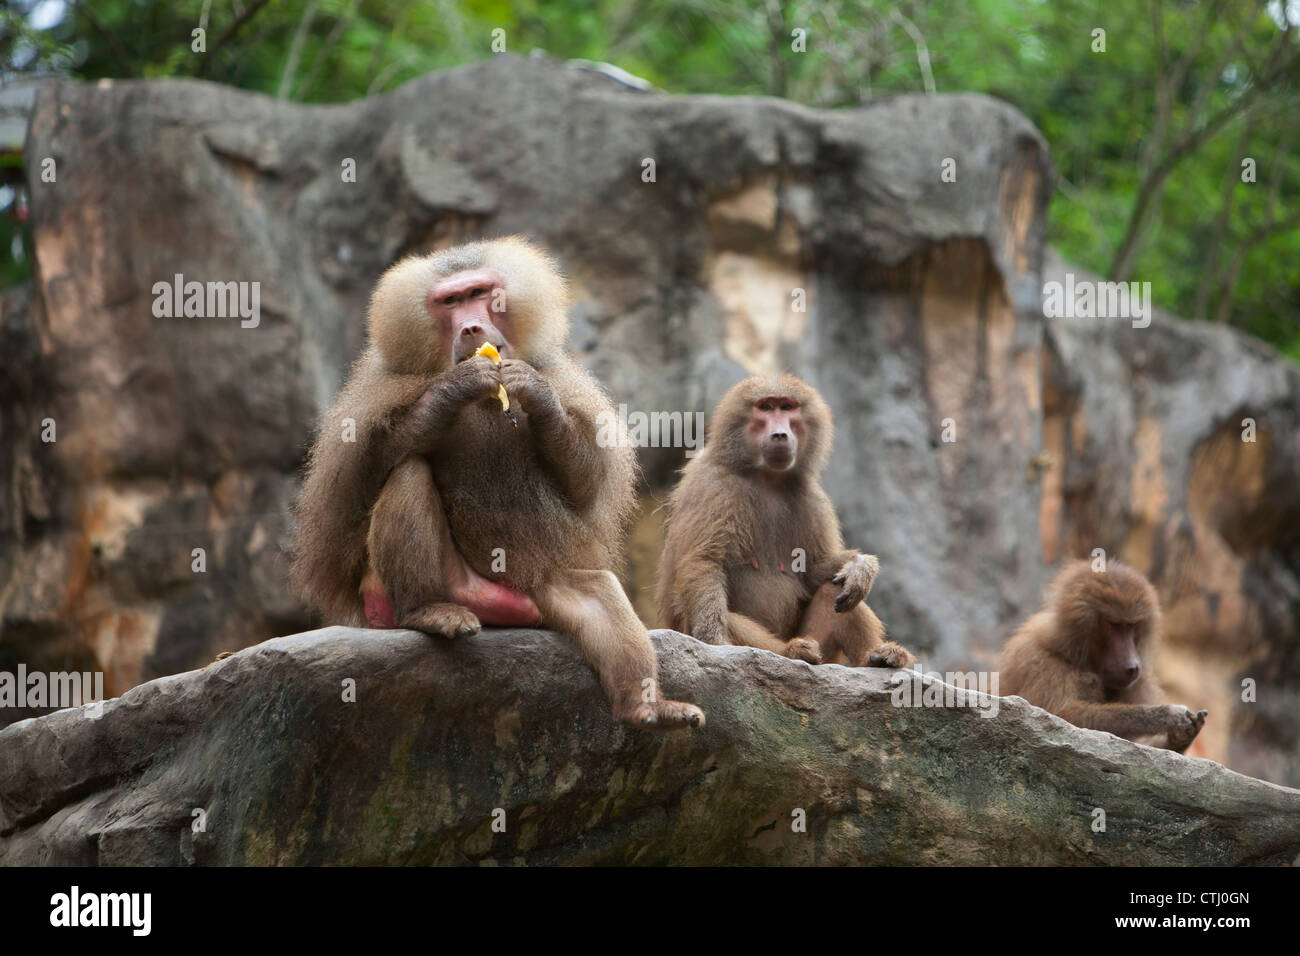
x,y
536,296
398,320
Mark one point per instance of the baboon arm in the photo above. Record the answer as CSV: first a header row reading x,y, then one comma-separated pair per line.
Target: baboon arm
x,y
1145,691
419,426
566,444
563,408
1122,720
1078,698
829,566
423,411
701,586
362,438
826,543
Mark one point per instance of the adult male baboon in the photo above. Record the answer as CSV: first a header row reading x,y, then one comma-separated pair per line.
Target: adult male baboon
x,y
753,554
426,507
1086,657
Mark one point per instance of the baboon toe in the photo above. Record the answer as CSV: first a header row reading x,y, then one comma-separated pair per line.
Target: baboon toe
x,y
665,715
891,655
444,620
802,649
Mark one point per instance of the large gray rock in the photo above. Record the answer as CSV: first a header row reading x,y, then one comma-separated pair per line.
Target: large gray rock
x,y
444,739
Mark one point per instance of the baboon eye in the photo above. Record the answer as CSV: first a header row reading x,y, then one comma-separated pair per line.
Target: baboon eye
x,y
478,293
788,406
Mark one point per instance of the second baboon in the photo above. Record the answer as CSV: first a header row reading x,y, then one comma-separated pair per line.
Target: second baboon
x,y
753,554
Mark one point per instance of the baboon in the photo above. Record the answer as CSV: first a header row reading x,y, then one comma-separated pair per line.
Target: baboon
x,y
426,507
753,554
1086,657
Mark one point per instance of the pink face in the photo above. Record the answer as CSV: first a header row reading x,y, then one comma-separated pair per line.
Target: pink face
x,y
775,430
462,307
1120,663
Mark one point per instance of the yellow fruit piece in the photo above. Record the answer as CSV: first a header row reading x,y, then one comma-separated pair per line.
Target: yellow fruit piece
x,y
489,350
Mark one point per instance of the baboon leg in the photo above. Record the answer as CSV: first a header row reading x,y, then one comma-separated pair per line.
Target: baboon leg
x,y
419,580
590,608
746,632
856,637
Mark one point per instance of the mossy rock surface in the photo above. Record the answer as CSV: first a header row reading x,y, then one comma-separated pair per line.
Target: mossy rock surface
x,y
500,750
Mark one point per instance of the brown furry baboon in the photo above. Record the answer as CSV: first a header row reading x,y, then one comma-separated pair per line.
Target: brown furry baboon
x,y
753,554
427,506
1086,657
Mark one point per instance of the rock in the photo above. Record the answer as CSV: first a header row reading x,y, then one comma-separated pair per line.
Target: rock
x,y
444,738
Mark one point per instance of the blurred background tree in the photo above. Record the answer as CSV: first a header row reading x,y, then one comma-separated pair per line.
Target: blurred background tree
x,y
1174,131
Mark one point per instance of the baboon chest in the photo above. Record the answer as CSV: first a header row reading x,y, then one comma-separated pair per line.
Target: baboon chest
x,y
502,503
769,582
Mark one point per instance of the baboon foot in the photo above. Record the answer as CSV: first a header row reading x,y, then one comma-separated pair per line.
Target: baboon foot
x,y
443,620
892,655
803,649
663,715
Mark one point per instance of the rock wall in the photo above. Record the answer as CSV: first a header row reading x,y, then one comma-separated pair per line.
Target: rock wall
x,y
1178,447
923,304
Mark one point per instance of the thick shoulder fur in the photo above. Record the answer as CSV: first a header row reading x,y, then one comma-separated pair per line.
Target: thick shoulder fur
x,y
341,486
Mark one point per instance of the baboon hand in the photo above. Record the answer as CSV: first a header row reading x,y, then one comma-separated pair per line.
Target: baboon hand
x,y
855,580
477,371
435,410
1183,725
530,387
466,381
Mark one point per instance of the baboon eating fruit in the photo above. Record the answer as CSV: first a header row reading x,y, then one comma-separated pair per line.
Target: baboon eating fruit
x,y
753,553
426,507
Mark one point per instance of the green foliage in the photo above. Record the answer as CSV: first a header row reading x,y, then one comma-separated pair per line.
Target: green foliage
x,y
1211,245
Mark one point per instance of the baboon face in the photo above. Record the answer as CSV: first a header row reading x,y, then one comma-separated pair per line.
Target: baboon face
x,y
468,309
430,312
1111,615
1121,664
770,424
775,431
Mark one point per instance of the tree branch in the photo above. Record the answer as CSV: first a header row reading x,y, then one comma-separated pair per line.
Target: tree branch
x,y
230,32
